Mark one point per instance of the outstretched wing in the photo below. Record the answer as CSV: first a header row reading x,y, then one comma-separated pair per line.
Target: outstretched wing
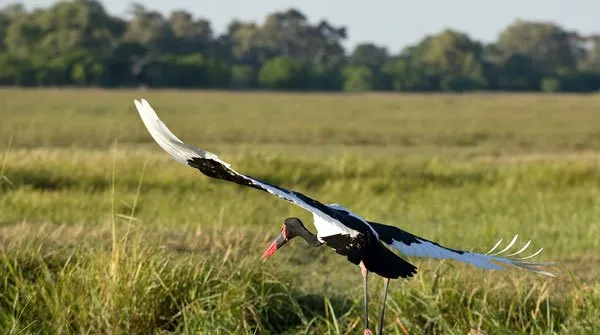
x,y
212,166
412,245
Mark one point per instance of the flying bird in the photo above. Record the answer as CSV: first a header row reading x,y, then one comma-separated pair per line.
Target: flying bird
x,y
363,243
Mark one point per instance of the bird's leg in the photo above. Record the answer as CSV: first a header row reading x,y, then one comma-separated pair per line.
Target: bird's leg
x,y
365,272
386,282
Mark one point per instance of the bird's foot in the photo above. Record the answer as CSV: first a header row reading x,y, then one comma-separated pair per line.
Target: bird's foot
x,y
368,332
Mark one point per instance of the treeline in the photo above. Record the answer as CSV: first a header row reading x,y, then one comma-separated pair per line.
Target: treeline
x,y
78,43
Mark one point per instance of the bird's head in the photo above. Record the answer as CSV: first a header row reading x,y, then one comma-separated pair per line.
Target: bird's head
x,y
291,228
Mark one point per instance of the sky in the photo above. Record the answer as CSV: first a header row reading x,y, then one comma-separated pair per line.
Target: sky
x,y
391,23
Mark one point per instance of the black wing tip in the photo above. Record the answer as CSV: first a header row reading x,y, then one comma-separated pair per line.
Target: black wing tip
x,y
209,167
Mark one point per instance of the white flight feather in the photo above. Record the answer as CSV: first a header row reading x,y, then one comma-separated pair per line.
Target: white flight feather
x,y
508,246
494,247
425,248
183,152
520,250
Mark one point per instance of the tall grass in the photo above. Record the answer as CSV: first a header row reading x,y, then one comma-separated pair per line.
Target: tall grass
x,y
100,232
52,285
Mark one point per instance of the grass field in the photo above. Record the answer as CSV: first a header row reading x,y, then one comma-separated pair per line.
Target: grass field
x,y
102,233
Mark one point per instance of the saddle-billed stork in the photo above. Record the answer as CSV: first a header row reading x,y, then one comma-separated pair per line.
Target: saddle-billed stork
x,y
362,242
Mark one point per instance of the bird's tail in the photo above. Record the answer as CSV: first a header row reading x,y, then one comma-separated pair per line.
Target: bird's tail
x,y
503,257
413,245
382,261
491,260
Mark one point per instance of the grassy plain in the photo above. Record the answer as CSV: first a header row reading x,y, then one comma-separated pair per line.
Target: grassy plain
x,y
101,232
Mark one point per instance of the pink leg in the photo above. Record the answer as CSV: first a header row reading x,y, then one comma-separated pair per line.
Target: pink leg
x,y
386,282
365,272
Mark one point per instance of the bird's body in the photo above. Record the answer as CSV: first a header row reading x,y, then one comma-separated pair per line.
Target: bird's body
x,y
364,243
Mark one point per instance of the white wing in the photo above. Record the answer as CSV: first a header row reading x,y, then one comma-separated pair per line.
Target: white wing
x,y
412,245
212,166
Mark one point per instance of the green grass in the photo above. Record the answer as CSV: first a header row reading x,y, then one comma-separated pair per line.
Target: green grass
x,y
489,123
101,232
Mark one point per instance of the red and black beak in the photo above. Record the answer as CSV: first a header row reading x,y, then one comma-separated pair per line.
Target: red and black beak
x,y
277,243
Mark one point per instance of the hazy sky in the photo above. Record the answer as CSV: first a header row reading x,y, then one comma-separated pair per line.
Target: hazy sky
x,y
393,23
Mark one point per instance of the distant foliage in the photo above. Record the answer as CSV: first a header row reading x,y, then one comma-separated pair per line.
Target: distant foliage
x,y
358,78
550,84
280,73
77,43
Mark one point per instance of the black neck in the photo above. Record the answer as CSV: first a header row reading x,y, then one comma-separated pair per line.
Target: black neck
x,y
310,238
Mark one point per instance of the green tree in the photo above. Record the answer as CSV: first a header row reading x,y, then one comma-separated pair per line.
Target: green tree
x,y
14,71
550,84
376,59
75,34
591,60
217,73
327,78
188,35
77,43
279,73
573,80
191,70
454,58
358,78
289,34
549,46
245,44
369,55
518,74
407,74
242,77
151,32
